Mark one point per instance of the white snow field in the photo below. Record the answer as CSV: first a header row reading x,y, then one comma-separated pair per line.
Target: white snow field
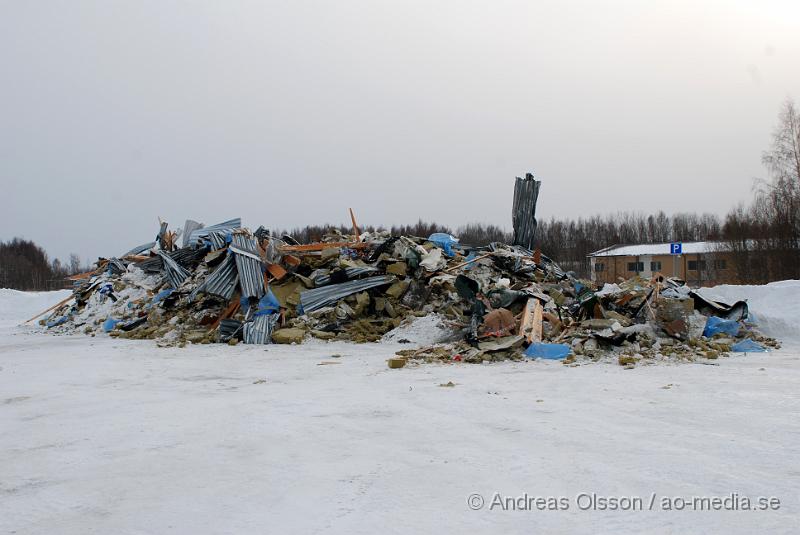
x,y
99,435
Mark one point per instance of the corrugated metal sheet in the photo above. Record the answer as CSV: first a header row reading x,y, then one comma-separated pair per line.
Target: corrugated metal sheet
x,y
115,265
173,271
311,300
196,236
218,239
140,249
188,228
248,263
186,257
259,331
523,215
351,272
222,282
228,328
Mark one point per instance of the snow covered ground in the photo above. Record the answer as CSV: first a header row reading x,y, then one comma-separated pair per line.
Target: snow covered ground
x,y
111,436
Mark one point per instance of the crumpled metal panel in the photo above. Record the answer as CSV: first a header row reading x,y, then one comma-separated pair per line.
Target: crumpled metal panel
x,y
140,249
523,215
185,257
222,282
248,263
311,300
196,236
259,331
351,272
174,272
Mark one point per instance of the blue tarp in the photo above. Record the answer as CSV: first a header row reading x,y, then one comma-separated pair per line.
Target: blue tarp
x,y
268,304
548,351
445,241
57,321
716,325
748,346
109,324
472,256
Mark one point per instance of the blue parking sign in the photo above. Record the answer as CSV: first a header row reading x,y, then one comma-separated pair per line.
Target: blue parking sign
x,y
675,248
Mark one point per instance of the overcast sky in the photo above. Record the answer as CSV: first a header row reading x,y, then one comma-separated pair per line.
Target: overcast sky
x,y
285,113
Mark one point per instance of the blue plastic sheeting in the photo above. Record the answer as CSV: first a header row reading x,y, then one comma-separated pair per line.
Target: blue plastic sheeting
x,y
268,304
472,256
748,346
109,324
57,321
548,351
445,241
716,325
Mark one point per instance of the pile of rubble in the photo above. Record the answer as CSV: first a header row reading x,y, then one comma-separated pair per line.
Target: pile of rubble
x,y
226,284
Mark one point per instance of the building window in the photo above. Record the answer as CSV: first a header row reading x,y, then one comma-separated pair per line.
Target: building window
x,y
697,265
636,266
599,267
720,264
655,266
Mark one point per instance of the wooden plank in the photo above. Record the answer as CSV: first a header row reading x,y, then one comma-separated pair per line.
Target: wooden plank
x,y
80,276
467,262
531,324
355,227
537,322
276,271
49,309
233,307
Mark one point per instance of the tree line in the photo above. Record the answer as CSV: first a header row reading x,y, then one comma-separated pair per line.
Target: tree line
x,y
26,266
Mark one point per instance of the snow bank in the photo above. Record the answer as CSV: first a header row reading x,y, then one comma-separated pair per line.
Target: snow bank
x,y
16,306
775,307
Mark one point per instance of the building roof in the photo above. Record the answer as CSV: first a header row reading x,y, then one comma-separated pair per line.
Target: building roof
x,y
649,249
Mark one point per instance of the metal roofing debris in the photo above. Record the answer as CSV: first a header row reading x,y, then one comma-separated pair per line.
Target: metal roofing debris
x,y
140,249
259,331
222,282
311,300
523,215
174,272
186,257
225,227
188,228
116,265
248,263
350,273
229,328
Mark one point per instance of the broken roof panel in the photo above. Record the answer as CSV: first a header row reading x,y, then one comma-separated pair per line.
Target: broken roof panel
x,y
197,235
248,264
311,300
174,272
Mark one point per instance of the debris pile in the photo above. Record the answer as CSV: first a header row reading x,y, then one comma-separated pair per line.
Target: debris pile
x,y
226,284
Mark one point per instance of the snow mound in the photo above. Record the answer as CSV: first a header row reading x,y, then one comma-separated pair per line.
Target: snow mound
x,y
774,307
423,331
16,306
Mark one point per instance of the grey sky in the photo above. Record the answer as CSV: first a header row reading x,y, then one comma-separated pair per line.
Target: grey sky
x,y
287,113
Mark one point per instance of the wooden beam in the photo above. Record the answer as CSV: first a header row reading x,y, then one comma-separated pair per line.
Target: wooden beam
x,y
448,270
233,307
355,227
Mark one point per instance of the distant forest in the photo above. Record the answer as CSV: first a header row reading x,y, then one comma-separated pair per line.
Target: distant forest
x,y
763,235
